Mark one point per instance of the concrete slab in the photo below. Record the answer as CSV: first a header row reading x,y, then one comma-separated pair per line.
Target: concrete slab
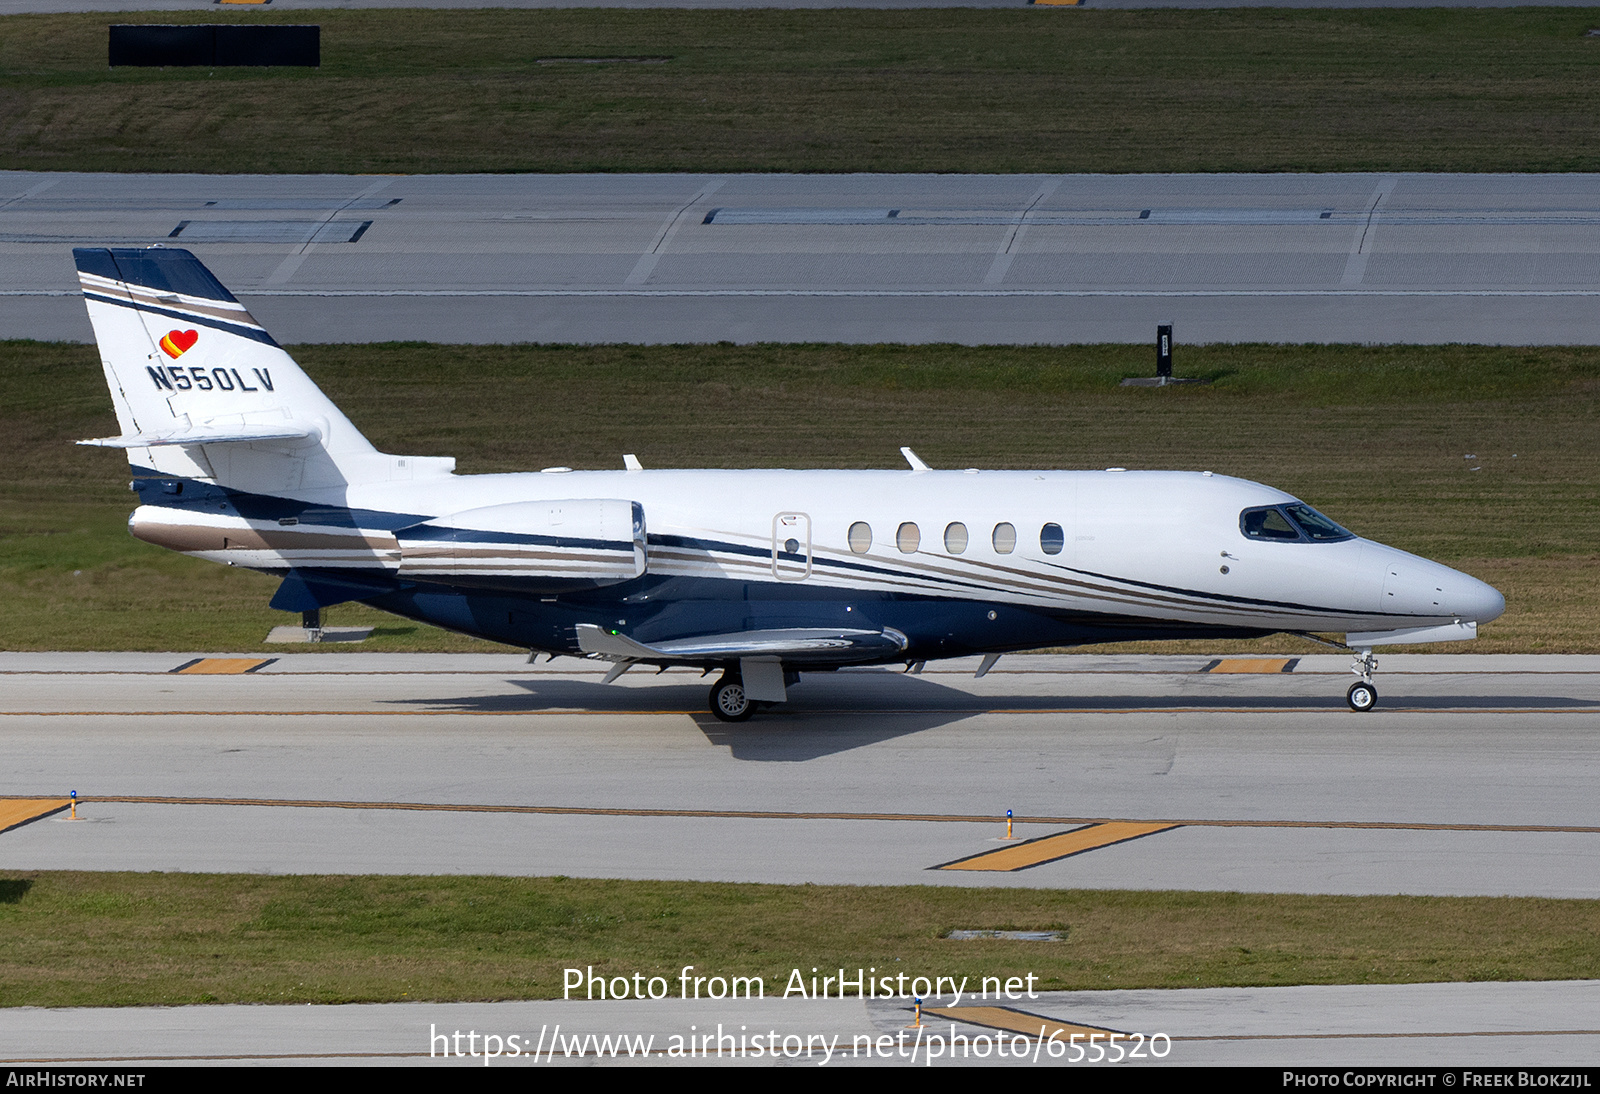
x,y
1497,259
1474,776
1544,1024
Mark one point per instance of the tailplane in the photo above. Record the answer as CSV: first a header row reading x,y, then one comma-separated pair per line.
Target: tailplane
x,y
203,392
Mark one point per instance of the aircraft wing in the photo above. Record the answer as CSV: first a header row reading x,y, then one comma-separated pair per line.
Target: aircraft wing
x,y
818,646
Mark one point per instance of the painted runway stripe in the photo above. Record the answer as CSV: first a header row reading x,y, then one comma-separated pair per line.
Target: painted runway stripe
x,y
740,814
1037,852
1252,664
15,812
222,666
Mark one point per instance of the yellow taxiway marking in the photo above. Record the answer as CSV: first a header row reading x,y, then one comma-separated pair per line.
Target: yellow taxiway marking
x,y
1018,1021
15,812
1056,3
1252,664
1036,852
222,666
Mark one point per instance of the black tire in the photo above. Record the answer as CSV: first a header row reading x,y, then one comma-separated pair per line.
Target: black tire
x,y
1362,696
729,702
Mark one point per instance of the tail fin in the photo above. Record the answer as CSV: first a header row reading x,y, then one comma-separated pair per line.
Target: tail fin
x,y
202,391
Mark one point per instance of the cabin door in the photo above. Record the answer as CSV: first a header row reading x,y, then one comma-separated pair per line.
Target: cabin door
x,y
791,546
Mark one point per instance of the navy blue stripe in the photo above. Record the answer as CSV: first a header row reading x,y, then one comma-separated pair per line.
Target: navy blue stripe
x,y
255,334
164,269
151,486
708,545
1229,599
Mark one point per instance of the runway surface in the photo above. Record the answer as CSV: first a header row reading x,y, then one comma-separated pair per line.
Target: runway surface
x,y
1474,776
1502,259
1415,1025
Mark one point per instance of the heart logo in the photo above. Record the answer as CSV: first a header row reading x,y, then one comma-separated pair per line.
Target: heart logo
x,y
175,343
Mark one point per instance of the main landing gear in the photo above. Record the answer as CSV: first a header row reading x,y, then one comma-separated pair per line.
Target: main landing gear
x,y
1363,694
728,700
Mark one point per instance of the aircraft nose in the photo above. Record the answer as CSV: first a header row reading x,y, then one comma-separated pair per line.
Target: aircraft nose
x,y
1416,586
1473,599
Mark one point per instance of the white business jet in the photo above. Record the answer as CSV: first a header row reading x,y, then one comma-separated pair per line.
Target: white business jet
x,y
239,458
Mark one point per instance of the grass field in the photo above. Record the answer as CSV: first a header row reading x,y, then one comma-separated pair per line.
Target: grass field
x,y
73,939
1376,437
935,90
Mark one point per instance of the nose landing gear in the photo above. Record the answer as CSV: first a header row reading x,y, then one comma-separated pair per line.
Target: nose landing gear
x,y
1363,695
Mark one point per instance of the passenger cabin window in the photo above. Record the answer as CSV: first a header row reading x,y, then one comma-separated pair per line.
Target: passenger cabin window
x,y
1052,539
907,538
1004,539
955,538
860,537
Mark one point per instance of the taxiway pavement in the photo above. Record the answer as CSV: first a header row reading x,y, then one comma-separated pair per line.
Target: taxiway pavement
x,y
1358,1027
995,259
1474,776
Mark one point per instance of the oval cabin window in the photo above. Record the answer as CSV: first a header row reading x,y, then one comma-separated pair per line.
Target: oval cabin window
x,y
908,538
955,538
1052,539
1005,539
860,537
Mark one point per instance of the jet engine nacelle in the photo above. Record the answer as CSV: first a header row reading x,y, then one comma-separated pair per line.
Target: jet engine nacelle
x,y
529,546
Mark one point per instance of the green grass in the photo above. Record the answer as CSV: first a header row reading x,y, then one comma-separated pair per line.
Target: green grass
x,y
1374,436
109,939
1028,90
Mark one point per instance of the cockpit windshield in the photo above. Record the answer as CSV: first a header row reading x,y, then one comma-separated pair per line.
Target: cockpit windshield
x,y
1293,523
1315,525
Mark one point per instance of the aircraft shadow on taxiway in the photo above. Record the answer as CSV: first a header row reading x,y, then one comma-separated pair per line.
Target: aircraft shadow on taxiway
x,y
827,715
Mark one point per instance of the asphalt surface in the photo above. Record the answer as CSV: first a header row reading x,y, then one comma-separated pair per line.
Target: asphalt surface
x,y
1474,777
1361,1028
1500,259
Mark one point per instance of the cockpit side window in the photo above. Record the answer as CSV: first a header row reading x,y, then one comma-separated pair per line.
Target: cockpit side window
x,y
1267,523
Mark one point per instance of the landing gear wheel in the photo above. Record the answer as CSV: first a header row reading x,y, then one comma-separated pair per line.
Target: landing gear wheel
x,y
1361,696
729,702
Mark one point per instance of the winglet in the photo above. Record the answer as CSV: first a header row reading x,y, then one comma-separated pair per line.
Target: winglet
x,y
913,459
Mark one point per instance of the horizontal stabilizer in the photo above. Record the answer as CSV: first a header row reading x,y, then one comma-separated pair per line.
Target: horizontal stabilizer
x,y
809,645
1450,632
233,434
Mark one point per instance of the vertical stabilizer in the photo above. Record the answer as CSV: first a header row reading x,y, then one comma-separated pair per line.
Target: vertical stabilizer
x,y
201,389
